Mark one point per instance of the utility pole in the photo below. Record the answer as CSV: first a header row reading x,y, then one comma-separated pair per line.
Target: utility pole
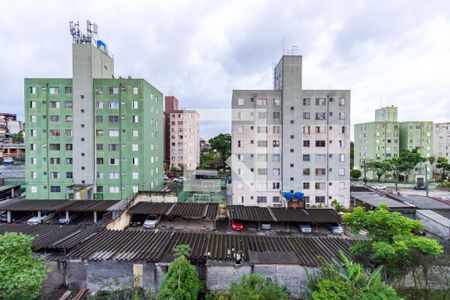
x,y
364,166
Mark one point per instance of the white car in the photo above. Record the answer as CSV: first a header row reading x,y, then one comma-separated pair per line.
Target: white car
x,y
304,228
72,217
36,220
379,187
335,229
151,222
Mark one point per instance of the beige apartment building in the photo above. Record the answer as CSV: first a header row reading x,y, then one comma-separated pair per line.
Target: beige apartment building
x,y
182,136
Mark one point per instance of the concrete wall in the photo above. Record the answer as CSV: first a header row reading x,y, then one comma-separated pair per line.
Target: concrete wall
x,y
220,277
76,274
55,276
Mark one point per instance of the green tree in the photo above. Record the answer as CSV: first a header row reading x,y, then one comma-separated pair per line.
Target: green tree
x,y
379,168
348,281
21,275
404,164
222,145
181,280
253,287
443,165
355,174
17,138
210,159
182,250
392,240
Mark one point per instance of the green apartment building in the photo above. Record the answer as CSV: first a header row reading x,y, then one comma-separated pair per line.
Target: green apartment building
x,y
92,136
386,136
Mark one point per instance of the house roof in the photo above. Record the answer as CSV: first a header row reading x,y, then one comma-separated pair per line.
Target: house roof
x,y
59,205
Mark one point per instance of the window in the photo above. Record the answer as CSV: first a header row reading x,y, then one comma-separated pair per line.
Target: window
x,y
134,105
261,199
341,157
135,133
99,132
262,115
306,171
306,185
113,161
55,189
306,143
135,161
306,116
261,129
276,157
275,185
261,143
240,129
99,104
32,104
99,175
114,189
341,172
99,147
276,102
99,90
306,157
135,119
113,119
69,119
320,199
32,147
33,160
69,160
113,90
276,129
55,160
68,104
69,147
341,116
113,147
306,101
320,101
276,172
69,175
135,175
53,90
320,116
275,143
276,115
320,143
114,175
276,199
240,143
114,105
261,101
33,119
114,133
240,101
99,119
135,90
55,132
320,171
262,171
54,119
32,90
33,132
54,104
342,102
134,147
55,175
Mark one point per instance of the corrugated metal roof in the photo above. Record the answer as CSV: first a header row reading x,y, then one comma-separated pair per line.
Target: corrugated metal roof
x,y
184,210
151,208
59,205
153,246
53,236
270,214
375,200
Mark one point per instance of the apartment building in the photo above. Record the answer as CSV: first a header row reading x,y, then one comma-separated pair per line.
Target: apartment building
x,y
290,140
182,136
378,140
441,140
92,136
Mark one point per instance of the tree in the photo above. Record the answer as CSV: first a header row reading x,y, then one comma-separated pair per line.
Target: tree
x,y
392,239
183,249
21,275
443,165
253,287
352,154
349,281
17,138
355,174
222,145
405,163
210,159
181,280
379,168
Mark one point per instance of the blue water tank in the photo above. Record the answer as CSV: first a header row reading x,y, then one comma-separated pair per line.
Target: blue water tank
x,y
101,43
288,195
299,195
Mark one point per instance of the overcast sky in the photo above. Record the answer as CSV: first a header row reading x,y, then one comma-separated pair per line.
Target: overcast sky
x,y
385,52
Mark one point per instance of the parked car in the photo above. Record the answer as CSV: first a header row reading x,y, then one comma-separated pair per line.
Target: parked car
x,y
72,218
421,187
237,226
379,186
151,222
335,228
8,161
137,220
36,220
266,226
3,216
166,177
304,228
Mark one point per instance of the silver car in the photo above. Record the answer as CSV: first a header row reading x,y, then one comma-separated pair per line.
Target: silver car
x,y
266,226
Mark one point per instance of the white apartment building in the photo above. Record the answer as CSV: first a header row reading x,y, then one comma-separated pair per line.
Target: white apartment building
x,y
290,140
441,140
184,142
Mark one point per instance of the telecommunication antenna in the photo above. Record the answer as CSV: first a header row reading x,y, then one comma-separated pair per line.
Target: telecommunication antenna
x,y
78,37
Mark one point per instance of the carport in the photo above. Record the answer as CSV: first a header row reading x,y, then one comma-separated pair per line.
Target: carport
x,y
23,208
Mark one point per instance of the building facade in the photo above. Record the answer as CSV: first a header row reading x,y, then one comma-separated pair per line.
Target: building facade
x,y
441,140
378,140
290,140
182,136
92,136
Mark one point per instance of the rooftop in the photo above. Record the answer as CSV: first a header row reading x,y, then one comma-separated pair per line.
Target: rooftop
x,y
185,210
59,205
375,200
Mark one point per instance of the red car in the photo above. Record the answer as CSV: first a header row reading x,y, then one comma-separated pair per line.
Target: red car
x,y
237,226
